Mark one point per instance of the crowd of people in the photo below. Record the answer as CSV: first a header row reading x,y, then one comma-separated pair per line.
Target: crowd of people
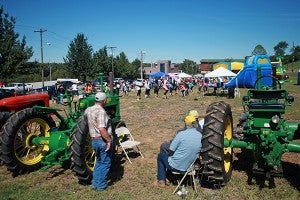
x,y
169,86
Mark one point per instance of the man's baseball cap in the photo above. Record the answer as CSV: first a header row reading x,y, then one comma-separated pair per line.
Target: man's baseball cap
x,y
194,113
100,96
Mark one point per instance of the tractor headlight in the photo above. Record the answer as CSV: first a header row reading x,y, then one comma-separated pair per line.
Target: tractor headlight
x,y
275,119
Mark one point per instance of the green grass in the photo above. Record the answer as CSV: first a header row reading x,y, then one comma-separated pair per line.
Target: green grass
x,y
153,121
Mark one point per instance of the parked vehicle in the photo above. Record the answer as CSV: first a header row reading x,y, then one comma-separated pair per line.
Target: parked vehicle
x,y
20,88
139,82
66,84
118,80
4,93
50,90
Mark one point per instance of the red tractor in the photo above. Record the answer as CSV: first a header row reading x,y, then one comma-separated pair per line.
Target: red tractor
x,y
10,105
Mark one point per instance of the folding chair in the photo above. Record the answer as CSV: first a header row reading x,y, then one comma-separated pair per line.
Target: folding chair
x,y
237,92
128,143
191,171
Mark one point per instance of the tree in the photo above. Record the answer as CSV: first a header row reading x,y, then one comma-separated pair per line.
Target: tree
x,y
259,49
123,68
13,53
189,66
101,61
280,48
295,53
135,69
79,58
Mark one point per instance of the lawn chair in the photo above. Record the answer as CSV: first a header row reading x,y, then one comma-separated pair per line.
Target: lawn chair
x,y
126,142
237,92
191,171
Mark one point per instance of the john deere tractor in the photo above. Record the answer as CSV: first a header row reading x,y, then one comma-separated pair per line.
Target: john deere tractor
x,y
264,132
41,137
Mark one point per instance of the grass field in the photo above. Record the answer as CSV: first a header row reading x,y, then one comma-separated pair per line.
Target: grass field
x,y
153,121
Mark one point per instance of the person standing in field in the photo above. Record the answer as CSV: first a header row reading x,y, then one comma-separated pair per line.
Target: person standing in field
x,y
98,123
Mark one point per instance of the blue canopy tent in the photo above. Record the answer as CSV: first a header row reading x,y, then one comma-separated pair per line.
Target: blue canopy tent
x,y
157,74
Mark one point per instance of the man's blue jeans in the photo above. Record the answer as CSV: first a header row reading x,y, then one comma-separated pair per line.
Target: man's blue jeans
x,y
163,166
102,166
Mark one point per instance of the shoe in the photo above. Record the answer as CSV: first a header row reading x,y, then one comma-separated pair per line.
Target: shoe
x,y
168,182
98,189
161,184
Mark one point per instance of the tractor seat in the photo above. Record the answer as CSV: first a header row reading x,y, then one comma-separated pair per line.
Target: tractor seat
x,y
267,94
268,106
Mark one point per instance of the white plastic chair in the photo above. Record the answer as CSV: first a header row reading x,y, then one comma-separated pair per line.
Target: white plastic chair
x,y
191,171
129,143
237,92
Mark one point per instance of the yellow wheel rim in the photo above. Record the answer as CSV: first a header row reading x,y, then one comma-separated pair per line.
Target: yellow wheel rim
x,y
227,150
24,150
90,157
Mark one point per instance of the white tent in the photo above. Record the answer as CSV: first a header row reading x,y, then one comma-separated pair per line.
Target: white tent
x,y
220,72
184,75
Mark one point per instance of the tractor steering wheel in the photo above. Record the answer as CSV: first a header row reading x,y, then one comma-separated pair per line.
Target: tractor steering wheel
x,y
273,79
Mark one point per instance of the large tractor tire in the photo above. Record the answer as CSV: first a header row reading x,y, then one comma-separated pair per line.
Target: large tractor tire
x,y
18,152
3,118
82,155
216,159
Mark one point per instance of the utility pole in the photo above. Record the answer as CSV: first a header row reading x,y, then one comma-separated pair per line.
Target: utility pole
x,y
112,61
142,54
42,57
50,67
293,57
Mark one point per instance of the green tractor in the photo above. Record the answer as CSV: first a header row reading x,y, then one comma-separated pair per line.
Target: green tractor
x,y
41,137
265,133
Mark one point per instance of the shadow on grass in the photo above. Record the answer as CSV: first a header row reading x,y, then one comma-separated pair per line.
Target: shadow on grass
x,y
117,169
291,173
245,163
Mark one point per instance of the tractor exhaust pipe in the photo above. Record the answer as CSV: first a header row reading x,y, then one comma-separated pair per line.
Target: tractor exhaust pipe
x,y
111,83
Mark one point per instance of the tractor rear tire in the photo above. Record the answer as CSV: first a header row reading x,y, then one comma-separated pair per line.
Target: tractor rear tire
x,y
82,156
216,159
18,153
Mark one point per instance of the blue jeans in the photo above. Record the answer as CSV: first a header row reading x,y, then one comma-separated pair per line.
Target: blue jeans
x,y
102,166
163,166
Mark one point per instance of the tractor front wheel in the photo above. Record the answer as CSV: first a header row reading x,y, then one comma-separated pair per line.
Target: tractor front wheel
x,y
216,159
19,154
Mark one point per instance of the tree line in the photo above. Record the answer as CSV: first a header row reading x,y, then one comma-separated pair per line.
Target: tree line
x,y
83,62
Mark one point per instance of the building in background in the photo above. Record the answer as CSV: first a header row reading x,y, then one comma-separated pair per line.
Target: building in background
x,y
164,66
207,65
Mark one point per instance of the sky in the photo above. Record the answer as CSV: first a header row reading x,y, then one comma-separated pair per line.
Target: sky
x,y
162,29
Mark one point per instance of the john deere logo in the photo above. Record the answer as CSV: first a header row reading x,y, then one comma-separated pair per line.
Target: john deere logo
x,y
81,105
108,100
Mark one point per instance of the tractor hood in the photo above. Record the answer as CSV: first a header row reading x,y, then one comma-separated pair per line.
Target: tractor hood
x,y
20,102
